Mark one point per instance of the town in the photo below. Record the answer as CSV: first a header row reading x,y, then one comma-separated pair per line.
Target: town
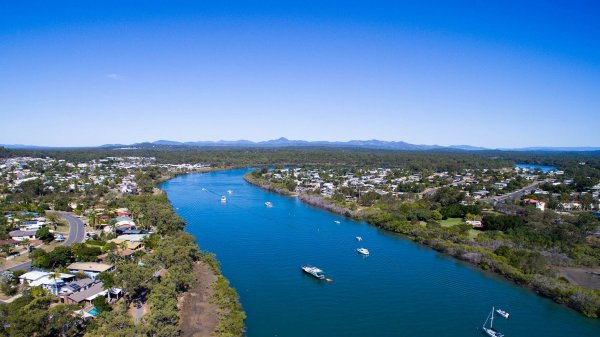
x,y
356,187
85,238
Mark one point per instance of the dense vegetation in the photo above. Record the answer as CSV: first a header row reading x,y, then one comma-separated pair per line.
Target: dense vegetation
x,y
441,160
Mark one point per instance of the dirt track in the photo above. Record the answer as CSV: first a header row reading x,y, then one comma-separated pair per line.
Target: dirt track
x,y
585,277
199,316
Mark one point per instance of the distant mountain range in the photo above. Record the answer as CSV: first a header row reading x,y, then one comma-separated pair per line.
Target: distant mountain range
x,y
284,142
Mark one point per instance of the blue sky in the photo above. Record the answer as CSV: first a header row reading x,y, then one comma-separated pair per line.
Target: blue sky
x,y
494,74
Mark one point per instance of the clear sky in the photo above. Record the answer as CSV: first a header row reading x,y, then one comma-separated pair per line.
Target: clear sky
x,y
485,73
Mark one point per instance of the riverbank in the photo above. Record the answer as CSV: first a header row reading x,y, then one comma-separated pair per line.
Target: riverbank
x,y
210,306
198,316
455,242
180,301
265,185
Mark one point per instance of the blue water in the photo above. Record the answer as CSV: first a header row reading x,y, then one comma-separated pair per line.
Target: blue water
x,y
402,289
543,168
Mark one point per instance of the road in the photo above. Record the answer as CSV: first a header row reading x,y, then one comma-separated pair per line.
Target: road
x,y
76,230
431,190
513,195
22,266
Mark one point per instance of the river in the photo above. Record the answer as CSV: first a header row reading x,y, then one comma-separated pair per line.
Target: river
x,y
401,289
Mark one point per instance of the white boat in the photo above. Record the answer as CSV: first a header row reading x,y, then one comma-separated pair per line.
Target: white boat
x,y
491,331
358,238
336,221
223,199
363,251
229,191
268,204
503,313
314,271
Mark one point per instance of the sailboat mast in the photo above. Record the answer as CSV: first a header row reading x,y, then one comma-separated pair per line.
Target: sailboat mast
x,y
492,319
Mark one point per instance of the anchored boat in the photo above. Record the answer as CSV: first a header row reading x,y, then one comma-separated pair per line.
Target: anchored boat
x,y
503,313
223,199
268,204
491,331
363,251
314,271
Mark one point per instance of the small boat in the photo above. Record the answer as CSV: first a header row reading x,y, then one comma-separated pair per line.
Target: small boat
x,y
204,189
336,221
223,199
229,191
358,238
314,271
268,204
503,313
363,251
491,331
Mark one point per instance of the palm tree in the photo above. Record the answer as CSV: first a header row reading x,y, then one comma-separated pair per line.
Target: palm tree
x,y
54,276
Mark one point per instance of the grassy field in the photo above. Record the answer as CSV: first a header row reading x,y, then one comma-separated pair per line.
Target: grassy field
x,y
451,222
458,221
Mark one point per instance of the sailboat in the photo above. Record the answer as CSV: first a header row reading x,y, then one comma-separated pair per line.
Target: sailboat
x,y
491,331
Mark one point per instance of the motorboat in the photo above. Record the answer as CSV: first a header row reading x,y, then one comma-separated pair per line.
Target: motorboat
x,y
503,313
337,221
358,238
229,192
223,199
268,204
314,271
363,251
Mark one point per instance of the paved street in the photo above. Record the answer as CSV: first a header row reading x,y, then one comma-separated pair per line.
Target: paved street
x,y
23,266
513,195
77,230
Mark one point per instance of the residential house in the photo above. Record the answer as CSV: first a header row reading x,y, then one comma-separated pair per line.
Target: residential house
x,y
474,223
48,281
91,293
92,269
538,204
20,235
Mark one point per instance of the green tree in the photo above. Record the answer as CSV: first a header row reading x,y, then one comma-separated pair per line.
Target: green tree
x,y
101,304
44,235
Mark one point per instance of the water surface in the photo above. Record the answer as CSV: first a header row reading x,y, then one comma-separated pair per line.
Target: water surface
x,y
533,167
402,289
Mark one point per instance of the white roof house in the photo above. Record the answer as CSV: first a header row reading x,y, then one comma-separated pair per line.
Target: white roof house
x,y
132,237
46,280
32,276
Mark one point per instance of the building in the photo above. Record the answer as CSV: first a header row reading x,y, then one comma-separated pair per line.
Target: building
x,y
20,235
75,286
538,204
92,292
92,269
474,223
48,281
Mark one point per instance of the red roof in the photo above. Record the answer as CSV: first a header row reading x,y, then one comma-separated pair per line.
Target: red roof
x,y
8,242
